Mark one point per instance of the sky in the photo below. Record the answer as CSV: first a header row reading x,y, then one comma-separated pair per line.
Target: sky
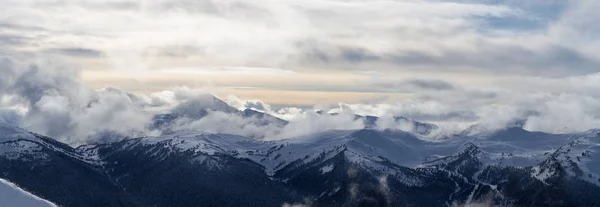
x,y
452,61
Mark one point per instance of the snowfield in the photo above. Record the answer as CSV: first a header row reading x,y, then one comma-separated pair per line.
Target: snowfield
x,y
13,196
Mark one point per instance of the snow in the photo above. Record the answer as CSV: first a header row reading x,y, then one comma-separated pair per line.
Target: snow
x,y
199,107
15,141
206,143
367,147
13,196
326,169
515,147
541,174
90,154
12,133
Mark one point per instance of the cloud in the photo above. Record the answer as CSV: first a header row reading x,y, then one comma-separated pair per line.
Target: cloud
x,y
229,122
311,122
534,60
230,70
306,203
411,85
59,105
77,52
440,36
10,117
248,104
8,73
13,40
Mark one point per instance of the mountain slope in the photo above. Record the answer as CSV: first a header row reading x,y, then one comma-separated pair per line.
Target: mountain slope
x,y
202,107
13,196
55,171
191,169
367,167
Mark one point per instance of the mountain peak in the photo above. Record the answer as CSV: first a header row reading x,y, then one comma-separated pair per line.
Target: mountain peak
x,y
200,106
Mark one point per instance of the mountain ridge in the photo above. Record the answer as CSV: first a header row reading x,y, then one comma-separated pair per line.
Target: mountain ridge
x,y
356,167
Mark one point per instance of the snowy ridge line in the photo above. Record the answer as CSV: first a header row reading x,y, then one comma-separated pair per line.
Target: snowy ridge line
x,y
509,147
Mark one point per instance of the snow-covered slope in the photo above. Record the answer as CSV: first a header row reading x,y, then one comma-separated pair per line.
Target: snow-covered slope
x,y
361,146
506,165
517,147
13,196
17,143
509,147
580,158
197,109
200,107
11,133
54,171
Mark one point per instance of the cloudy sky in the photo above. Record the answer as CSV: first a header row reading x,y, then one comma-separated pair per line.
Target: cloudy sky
x,y
488,61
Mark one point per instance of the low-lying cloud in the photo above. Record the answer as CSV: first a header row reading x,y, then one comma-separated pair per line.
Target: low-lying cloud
x,y
59,105
46,98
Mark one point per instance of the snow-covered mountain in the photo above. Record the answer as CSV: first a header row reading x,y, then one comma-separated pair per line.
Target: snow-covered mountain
x,y
13,196
364,167
55,171
199,108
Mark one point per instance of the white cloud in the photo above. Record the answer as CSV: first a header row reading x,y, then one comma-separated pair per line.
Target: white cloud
x,y
227,123
312,122
230,71
58,105
335,35
240,104
274,38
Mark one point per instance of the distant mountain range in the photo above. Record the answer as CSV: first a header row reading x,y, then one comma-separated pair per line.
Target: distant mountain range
x,y
363,167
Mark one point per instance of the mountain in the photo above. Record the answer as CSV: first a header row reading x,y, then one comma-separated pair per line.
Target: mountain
x,y
187,169
192,109
13,196
371,122
55,171
367,167
199,108
202,107
262,118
